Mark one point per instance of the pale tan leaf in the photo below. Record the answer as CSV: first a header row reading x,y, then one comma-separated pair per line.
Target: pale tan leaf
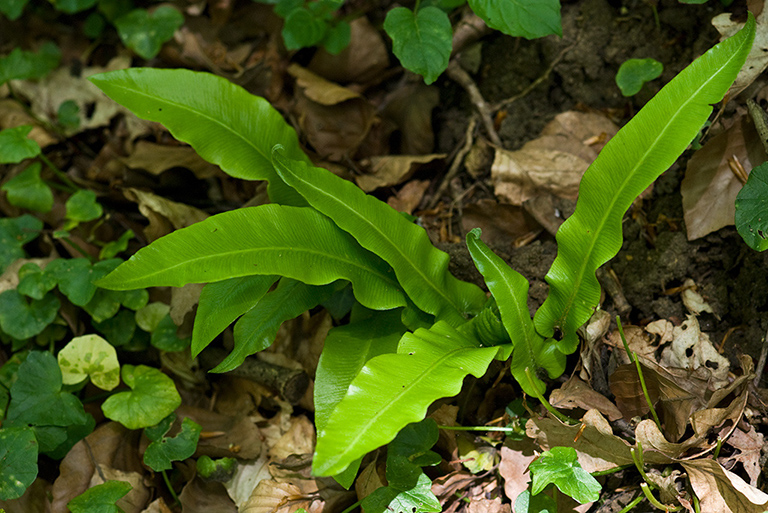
x,y
393,169
320,90
721,491
757,60
577,394
515,458
201,497
750,446
164,215
156,158
409,196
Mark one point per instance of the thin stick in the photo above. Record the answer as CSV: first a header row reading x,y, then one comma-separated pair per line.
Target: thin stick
x,y
761,361
461,77
456,164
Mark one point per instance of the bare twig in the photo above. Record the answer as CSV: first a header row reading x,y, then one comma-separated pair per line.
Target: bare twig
x,y
761,361
457,74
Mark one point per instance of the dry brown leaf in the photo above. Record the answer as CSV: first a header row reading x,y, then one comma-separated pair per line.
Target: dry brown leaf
x,y
164,215
409,196
299,439
271,496
156,158
12,114
320,90
34,500
757,60
483,505
577,394
502,225
710,187
136,500
638,341
630,398
596,445
554,162
410,108
749,445
334,130
721,491
48,93
370,479
692,350
201,497
111,446
391,170
247,475
225,436
183,302
363,60
158,506
693,301
446,415
515,458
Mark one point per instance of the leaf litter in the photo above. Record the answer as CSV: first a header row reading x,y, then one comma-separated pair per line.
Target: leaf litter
x,y
386,140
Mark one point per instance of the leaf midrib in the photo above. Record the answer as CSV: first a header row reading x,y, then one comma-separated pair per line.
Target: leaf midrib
x,y
603,220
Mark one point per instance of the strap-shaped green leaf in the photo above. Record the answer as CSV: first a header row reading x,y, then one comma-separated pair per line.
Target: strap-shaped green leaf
x,y
296,242
256,329
223,122
628,164
421,269
222,302
510,289
393,390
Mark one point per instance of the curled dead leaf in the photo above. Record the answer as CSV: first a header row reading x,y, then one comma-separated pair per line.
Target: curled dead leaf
x,y
164,215
721,491
391,170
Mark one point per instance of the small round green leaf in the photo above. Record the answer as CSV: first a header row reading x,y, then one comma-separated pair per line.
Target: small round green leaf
x,y
34,282
22,65
145,32
422,41
303,29
15,146
69,112
82,206
100,498
633,73
752,209
27,190
153,396
119,329
149,317
22,319
90,356
18,461
14,233
164,336
337,38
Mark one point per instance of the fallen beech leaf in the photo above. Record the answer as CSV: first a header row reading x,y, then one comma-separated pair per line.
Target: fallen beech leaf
x,y
409,196
320,90
410,108
201,497
554,162
363,60
596,445
391,170
721,491
156,158
757,60
164,215
501,224
515,458
577,394
710,187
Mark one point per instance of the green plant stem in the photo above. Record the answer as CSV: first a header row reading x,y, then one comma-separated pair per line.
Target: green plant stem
x,y
718,447
611,471
633,358
637,457
696,503
632,504
58,172
77,248
170,488
352,507
563,418
653,500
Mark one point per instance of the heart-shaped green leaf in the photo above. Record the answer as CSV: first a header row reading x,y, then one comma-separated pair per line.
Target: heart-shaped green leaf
x,y
422,41
160,453
82,206
18,461
15,146
145,32
752,209
22,318
15,232
22,65
34,282
560,466
101,498
27,189
153,397
90,356
530,19
633,73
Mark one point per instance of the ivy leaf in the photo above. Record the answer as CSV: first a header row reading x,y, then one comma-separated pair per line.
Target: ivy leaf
x,y
27,190
23,65
22,319
422,41
37,400
15,232
560,466
111,249
530,19
152,397
337,38
145,32
417,499
752,209
161,453
156,432
540,503
15,146
303,29
90,356
13,8
82,206
164,336
633,73
100,498
18,461
34,282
